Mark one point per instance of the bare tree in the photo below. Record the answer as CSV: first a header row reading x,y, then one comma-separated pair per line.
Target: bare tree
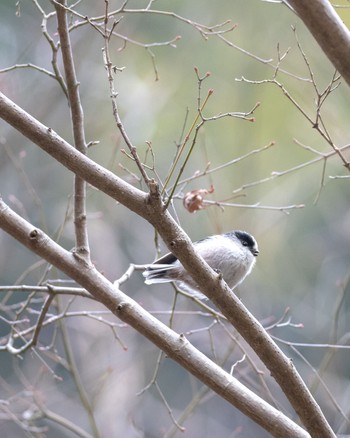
x,y
149,192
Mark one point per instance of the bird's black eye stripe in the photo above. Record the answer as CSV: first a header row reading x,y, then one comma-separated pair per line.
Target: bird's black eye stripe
x,y
246,239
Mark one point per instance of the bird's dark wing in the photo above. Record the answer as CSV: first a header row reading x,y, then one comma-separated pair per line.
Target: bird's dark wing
x,y
167,259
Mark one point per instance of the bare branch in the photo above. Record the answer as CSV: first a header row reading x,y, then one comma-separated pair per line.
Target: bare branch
x,y
208,170
322,21
29,65
77,117
113,94
73,368
50,289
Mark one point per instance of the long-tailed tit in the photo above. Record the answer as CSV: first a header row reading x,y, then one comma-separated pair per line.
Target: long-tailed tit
x,y
231,254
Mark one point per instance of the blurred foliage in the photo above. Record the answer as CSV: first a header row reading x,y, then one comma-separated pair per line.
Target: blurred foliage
x,y
304,260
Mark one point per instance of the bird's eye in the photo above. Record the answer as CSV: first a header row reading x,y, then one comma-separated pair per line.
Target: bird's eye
x,y
245,243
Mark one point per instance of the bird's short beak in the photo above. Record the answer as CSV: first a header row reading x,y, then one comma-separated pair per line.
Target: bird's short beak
x,y
255,252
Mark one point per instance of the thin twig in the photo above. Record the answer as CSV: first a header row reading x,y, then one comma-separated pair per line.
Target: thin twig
x,y
50,289
113,94
196,130
277,174
182,429
208,170
320,128
76,374
54,47
324,386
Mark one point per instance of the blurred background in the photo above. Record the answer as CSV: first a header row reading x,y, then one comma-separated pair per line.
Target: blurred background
x,y
302,273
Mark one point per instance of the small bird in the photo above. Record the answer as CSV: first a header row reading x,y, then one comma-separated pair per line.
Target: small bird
x,y
231,254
